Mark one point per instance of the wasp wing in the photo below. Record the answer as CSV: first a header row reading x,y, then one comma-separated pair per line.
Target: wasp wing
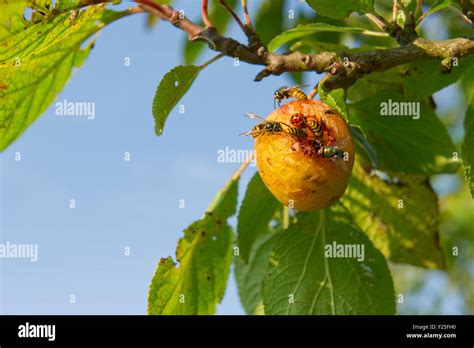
x,y
254,116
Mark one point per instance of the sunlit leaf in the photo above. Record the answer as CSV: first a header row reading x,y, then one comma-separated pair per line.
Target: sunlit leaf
x,y
399,214
36,63
204,254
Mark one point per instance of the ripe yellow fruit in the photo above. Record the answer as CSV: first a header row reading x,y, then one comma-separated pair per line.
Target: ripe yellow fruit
x,y
293,170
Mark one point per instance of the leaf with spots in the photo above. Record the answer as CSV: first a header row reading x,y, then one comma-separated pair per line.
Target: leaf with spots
x,y
36,63
204,254
400,215
171,89
307,274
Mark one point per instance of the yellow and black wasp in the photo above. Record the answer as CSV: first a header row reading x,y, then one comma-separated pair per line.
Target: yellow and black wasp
x,y
271,127
299,120
289,92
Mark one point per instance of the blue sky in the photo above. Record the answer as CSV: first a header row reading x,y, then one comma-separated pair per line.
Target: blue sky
x,y
121,204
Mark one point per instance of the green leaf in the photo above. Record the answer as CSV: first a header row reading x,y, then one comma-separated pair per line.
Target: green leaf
x,y
257,209
301,279
363,144
405,143
341,9
468,148
269,20
440,5
36,63
250,276
220,17
373,83
336,99
204,255
400,216
469,118
171,89
424,78
303,30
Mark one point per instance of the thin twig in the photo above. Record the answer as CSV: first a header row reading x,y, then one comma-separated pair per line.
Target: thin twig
x,y
234,15
395,11
380,19
362,63
205,16
248,22
376,21
466,19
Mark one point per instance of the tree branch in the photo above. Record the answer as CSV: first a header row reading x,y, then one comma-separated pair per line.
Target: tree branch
x,y
347,68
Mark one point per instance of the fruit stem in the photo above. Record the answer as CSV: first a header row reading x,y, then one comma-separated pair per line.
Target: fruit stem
x,y
286,217
242,167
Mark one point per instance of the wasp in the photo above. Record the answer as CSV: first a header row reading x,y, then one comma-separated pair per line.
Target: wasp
x,y
289,92
272,127
301,121
316,128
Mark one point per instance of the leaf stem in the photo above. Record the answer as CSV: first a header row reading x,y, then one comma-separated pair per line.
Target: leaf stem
x,y
212,60
376,21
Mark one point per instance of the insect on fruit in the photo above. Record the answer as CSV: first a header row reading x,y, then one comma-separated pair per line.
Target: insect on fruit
x,y
315,127
294,170
331,151
289,92
263,127
272,127
298,120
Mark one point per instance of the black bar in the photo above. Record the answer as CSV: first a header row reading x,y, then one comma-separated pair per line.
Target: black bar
x,y
330,330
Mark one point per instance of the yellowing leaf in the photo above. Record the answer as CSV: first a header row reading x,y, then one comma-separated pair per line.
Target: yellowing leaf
x,y
36,63
401,218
